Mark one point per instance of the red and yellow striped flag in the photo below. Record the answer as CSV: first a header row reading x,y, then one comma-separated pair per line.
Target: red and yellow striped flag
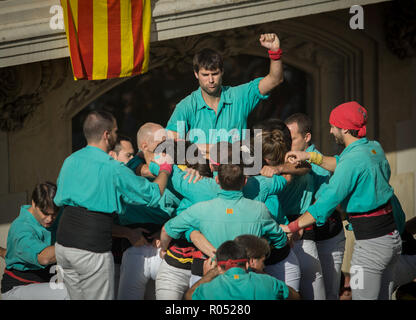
x,y
107,38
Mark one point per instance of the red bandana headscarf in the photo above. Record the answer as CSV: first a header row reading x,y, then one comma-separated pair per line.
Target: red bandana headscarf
x,y
231,263
351,116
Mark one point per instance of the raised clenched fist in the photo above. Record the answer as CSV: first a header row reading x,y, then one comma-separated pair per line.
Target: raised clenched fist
x,y
270,41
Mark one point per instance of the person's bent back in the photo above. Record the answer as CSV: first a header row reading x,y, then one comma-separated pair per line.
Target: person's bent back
x,y
234,282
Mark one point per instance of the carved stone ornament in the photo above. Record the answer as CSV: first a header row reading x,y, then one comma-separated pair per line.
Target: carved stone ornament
x,y
23,87
178,53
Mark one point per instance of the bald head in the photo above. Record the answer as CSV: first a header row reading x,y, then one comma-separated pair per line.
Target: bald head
x,y
150,135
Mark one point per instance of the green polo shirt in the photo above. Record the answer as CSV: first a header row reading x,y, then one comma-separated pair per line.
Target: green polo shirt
x,y
165,210
92,179
298,195
237,284
26,239
235,105
226,217
360,182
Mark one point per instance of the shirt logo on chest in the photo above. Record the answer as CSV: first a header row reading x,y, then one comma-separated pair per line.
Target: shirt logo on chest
x,y
229,211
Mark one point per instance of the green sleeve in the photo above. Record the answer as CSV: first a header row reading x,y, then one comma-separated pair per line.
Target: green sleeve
x,y
272,231
27,248
338,188
135,189
178,226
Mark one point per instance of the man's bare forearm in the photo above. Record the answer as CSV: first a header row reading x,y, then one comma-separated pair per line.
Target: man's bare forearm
x,y
199,240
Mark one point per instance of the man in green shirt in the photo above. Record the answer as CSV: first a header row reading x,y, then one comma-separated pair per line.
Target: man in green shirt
x,y
321,249
231,280
208,114
30,255
93,187
360,183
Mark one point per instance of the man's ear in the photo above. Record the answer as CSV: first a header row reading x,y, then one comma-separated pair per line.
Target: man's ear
x,y
113,154
144,146
196,74
308,137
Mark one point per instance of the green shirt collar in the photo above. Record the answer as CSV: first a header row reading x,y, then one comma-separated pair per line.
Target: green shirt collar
x,y
230,194
353,145
233,271
202,104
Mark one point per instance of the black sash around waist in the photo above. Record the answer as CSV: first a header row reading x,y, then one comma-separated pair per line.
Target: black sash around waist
x,y
328,230
87,230
277,255
332,227
13,278
180,254
373,224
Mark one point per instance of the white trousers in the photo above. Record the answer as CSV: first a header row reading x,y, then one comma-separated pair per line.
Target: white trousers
x,y
37,291
138,266
372,266
87,275
312,285
287,270
331,255
171,282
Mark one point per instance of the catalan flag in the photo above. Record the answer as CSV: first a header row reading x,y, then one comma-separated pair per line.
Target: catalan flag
x,y
107,38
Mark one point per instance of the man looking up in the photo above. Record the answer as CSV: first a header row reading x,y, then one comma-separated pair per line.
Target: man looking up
x,y
214,106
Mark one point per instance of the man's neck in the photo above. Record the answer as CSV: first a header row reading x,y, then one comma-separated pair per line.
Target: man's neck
x,y
350,139
212,100
100,145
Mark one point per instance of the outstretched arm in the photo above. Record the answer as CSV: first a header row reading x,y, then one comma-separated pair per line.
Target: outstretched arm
x,y
275,77
328,163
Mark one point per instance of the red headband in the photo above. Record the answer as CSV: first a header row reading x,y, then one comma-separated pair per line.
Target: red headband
x,y
351,116
231,263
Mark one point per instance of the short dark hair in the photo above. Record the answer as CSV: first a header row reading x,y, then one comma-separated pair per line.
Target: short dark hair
x,y
230,250
208,59
121,137
274,123
354,133
303,121
43,195
231,176
96,123
256,247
